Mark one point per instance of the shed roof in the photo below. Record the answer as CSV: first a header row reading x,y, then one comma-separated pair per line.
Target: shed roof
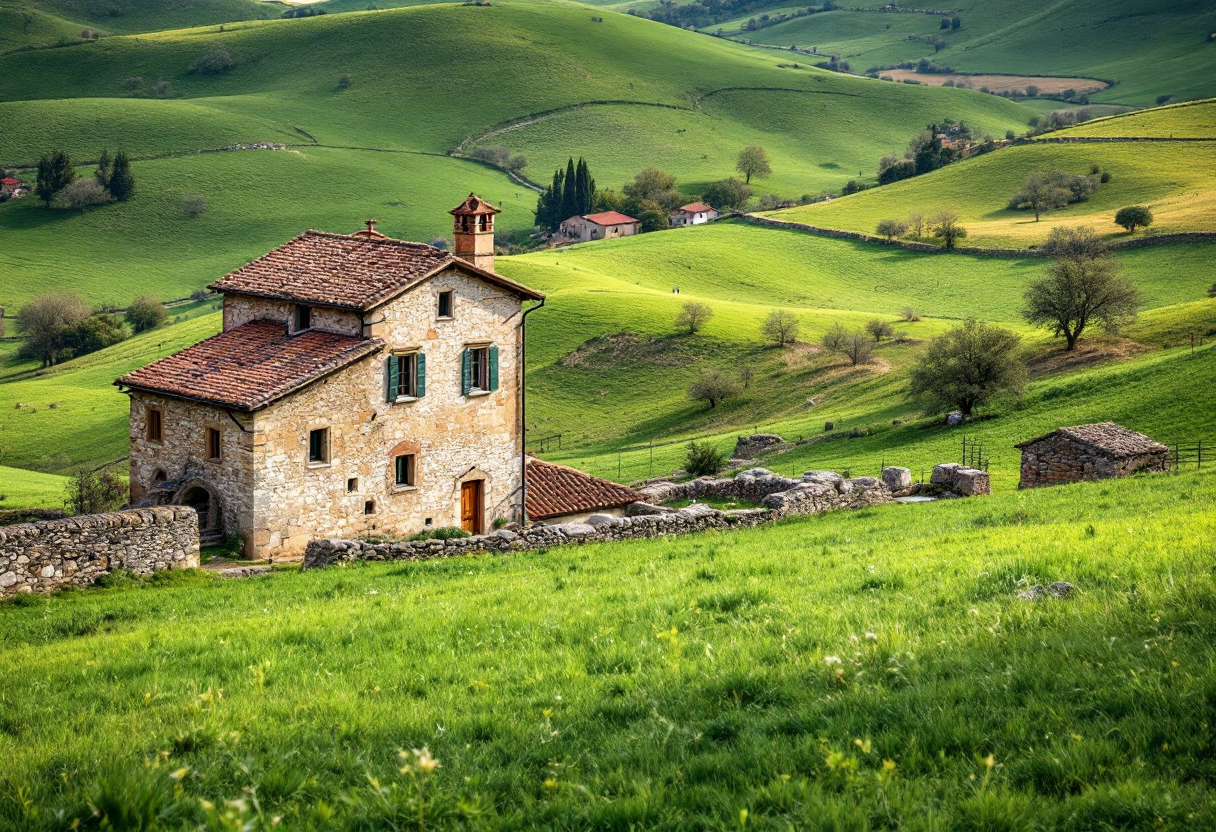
x,y
555,490
695,208
350,271
609,218
1114,439
250,366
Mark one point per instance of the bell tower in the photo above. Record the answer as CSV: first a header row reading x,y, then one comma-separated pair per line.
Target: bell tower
x,y
473,229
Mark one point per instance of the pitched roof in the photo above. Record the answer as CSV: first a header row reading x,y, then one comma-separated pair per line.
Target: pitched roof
x,y
695,207
250,366
356,271
554,490
473,204
609,218
1116,440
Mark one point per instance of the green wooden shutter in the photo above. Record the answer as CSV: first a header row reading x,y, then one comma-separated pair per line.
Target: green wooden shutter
x,y
493,351
466,373
393,379
420,375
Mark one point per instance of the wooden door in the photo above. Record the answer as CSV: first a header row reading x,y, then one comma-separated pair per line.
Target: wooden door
x,y
472,507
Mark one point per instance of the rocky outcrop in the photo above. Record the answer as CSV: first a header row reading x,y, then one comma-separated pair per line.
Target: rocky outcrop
x,y
49,554
750,447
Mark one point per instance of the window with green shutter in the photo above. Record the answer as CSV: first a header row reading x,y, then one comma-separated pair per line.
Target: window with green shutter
x,y
466,372
405,376
479,370
492,369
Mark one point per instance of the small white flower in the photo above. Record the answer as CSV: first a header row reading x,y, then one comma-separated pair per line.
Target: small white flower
x,y
831,659
872,636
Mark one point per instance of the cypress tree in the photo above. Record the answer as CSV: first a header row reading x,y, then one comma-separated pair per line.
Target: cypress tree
x,y
580,187
104,169
569,197
55,172
122,183
549,204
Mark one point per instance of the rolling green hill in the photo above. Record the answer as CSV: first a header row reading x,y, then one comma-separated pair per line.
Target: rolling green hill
x,y
1176,179
23,26
131,16
1147,49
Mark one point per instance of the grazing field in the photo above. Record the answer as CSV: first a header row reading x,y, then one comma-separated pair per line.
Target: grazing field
x,y
859,670
129,16
29,489
1195,120
1177,180
1143,48
1015,84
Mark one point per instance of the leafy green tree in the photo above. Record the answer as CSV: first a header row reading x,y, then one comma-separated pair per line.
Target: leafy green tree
x,y
122,181
727,194
1040,192
146,313
879,329
656,186
94,333
55,172
947,229
890,229
693,315
1082,286
92,492
713,386
753,161
44,322
966,366
781,325
1133,217
549,204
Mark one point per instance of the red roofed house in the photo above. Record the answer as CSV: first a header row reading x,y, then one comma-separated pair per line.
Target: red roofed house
x,y
557,494
604,226
694,213
360,384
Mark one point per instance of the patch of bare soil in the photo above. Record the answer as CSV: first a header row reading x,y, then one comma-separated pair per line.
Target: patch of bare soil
x,y
623,348
999,83
1089,352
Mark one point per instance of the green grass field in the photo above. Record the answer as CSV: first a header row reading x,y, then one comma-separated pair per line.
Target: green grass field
x,y
29,489
859,670
1144,48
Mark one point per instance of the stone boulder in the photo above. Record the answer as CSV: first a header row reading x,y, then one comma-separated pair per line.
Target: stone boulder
x,y
896,478
750,447
640,509
954,417
966,482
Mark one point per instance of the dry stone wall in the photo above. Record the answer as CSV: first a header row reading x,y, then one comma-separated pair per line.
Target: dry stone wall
x,y
49,554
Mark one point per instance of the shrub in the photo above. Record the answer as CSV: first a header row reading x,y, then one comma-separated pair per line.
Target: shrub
x,y
727,194
781,325
82,193
193,205
1212,291
145,313
703,459
90,492
200,295
344,82
441,533
910,315
162,89
216,61
890,229
94,333
879,329
1133,217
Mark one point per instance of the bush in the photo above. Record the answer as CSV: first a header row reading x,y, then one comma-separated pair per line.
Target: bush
x,y
703,459
891,229
145,313
441,533
91,492
344,82
200,295
909,315
217,61
82,193
727,194
162,89
1212,291
94,333
193,205
781,325
879,329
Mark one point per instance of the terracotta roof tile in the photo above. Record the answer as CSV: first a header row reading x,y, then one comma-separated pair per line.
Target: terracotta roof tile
x,y
555,490
250,366
695,207
609,218
474,205
1117,440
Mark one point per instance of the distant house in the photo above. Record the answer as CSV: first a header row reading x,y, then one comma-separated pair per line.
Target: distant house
x,y
557,494
1088,452
604,226
694,213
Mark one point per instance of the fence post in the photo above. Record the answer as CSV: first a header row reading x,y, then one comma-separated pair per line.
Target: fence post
x,y
618,466
1199,463
651,474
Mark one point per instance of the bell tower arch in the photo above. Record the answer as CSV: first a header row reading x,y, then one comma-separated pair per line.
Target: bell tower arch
x,y
473,230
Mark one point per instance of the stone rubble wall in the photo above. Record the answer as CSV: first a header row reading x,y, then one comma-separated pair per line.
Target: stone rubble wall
x,y
817,491
49,554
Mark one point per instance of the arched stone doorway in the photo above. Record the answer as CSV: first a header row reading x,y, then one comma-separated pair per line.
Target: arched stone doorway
x,y
206,503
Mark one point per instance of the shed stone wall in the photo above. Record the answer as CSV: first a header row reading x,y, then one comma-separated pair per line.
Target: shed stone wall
x,y
1059,459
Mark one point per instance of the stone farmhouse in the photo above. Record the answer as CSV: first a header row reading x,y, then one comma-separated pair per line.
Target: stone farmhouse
x,y
694,213
360,385
607,225
1088,452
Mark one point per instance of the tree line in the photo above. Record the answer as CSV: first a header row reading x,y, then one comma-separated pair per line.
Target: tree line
x,y
58,326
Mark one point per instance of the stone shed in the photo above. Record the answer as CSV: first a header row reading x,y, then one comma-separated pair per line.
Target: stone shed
x,y
1088,452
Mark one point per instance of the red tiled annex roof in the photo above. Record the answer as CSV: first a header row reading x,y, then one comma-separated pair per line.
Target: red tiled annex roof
x,y
696,208
348,271
555,490
609,218
1115,439
249,367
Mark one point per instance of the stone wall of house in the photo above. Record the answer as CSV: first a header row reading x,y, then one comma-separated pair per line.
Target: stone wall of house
x,y
49,554
1059,459
241,309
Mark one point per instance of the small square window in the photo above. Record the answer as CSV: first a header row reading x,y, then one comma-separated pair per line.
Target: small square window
x,y
369,507
429,521
405,470
318,446
155,424
301,319
445,304
213,444
352,485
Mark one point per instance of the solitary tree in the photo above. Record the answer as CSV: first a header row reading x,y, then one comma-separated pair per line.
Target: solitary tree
x,y
857,348
145,313
1082,286
782,326
1041,192
1134,216
834,337
879,329
713,386
753,161
55,172
727,194
946,227
122,182
694,315
890,229
965,366
45,321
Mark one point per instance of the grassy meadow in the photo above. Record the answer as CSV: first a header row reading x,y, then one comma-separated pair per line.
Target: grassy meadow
x,y
20,488
859,670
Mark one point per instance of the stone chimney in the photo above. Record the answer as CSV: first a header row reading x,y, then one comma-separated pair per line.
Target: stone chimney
x,y
473,229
